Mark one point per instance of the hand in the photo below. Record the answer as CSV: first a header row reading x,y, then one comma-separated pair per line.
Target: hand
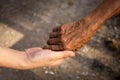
x,y
70,36
38,57
73,36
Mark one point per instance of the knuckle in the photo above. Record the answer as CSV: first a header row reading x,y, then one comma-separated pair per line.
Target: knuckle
x,y
48,41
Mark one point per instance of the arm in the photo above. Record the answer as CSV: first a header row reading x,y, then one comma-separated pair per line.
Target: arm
x,y
106,10
12,58
74,35
31,58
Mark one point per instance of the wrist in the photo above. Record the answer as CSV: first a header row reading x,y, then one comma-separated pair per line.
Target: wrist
x,y
90,23
14,59
28,61
25,62
22,61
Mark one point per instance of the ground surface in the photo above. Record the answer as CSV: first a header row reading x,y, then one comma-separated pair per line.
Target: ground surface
x,y
27,23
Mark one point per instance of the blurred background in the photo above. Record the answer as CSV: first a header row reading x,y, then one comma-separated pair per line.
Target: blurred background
x,y
27,23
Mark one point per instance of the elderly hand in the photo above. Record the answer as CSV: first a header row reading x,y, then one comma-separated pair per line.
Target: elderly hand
x,y
71,36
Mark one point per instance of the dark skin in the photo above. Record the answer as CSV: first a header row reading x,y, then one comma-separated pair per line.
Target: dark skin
x,y
74,35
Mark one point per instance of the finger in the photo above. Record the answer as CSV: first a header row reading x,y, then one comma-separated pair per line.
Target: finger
x,y
62,55
56,29
45,47
58,62
54,34
33,50
56,47
53,41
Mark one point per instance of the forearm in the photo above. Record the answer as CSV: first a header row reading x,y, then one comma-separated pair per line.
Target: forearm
x,y
104,11
12,59
89,24
94,20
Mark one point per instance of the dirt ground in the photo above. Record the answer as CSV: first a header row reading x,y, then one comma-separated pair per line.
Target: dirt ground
x,y
27,23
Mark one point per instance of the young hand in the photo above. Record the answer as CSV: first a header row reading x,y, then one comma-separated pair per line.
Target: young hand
x,y
38,57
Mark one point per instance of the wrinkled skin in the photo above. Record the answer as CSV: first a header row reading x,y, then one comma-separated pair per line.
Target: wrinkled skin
x,y
70,36
73,36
